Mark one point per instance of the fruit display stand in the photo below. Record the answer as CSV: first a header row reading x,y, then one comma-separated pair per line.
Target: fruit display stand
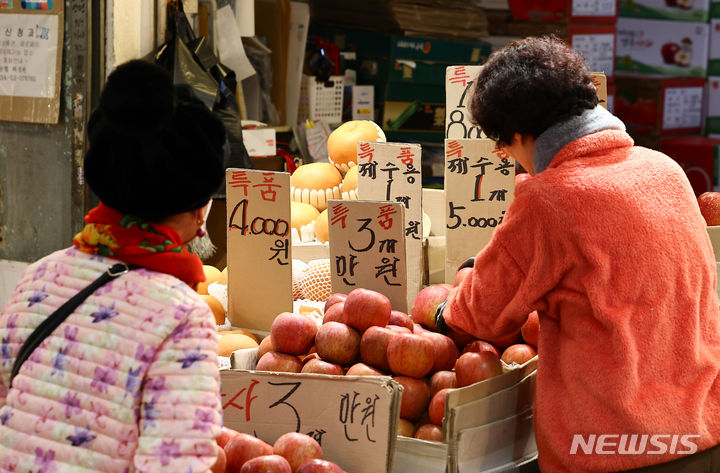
x,y
354,417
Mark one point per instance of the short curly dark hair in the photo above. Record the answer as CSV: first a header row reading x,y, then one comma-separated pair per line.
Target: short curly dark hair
x,y
528,86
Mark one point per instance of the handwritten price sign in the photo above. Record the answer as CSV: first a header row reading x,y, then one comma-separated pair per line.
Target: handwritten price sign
x,y
353,418
391,172
259,250
479,186
459,81
367,248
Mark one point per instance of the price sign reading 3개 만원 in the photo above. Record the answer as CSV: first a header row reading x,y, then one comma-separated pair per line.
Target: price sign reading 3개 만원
x,y
479,186
391,171
459,87
367,248
259,251
353,418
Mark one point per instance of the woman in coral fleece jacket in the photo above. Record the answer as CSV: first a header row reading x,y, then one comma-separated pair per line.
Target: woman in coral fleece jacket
x,y
129,381
607,243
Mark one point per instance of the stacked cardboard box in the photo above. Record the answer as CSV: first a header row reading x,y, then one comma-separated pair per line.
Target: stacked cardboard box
x,y
712,124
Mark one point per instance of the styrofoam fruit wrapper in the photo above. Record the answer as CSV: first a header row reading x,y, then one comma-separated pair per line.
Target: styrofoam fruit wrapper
x,y
219,291
312,309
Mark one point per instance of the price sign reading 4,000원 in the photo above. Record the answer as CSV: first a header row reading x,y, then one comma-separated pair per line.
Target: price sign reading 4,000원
x,y
479,186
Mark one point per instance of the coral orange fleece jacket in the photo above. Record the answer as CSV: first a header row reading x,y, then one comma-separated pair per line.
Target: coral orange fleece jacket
x,y
608,244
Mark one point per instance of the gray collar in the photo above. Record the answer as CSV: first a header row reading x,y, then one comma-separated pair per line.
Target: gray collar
x,y
557,136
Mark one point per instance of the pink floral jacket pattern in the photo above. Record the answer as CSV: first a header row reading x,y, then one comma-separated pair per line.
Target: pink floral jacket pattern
x,y
128,383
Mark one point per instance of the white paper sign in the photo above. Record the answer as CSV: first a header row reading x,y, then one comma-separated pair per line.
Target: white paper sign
x,y
28,52
598,49
479,186
363,102
367,248
259,250
594,7
230,45
459,88
391,171
353,418
260,142
682,107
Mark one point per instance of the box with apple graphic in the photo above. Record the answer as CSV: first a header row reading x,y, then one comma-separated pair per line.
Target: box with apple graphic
x,y
662,48
712,122
683,10
714,59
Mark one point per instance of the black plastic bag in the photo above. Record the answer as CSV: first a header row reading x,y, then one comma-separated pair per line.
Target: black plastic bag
x,y
192,62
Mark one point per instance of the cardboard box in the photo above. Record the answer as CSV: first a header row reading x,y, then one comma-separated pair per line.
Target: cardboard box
x,y
610,104
698,156
714,233
381,70
415,116
662,48
714,8
683,10
714,54
353,417
597,43
593,11
712,122
660,106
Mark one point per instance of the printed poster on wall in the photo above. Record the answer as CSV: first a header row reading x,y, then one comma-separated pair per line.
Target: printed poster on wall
x,y
31,38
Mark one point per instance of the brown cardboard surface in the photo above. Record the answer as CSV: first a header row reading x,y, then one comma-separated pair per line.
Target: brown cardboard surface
x,y
714,233
491,445
258,247
479,186
459,88
600,81
353,417
419,456
434,207
391,172
495,384
367,248
20,108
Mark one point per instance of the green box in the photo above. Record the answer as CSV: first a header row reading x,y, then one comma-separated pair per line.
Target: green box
x,y
380,70
699,10
394,91
715,9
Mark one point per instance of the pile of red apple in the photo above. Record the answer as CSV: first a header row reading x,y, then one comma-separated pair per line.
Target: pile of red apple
x,y
361,335
292,452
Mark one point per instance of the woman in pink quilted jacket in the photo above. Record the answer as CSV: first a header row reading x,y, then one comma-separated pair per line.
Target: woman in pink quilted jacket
x,y
129,381
607,243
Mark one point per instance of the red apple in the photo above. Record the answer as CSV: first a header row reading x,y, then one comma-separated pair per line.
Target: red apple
x,y
316,465
334,299
479,346
400,319
361,369
293,334
310,356
267,464
334,313
398,328
338,343
504,342
365,308
460,275
530,330
297,448
520,354
475,367
221,463
415,397
405,428
430,432
265,346
417,328
446,352
461,339
279,362
243,447
668,52
373,347
436,409
320,366
709,203
411,355
225,436
441,380
426,302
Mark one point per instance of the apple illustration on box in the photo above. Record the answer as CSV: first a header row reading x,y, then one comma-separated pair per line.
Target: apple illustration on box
x,y
685,4
677,54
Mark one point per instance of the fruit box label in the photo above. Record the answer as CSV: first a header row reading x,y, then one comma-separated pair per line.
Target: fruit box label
x,y
657,47
682,108
684,10
594,8
353,418
597,47
367,248
459,89
258,247
479,186
391,171
713,115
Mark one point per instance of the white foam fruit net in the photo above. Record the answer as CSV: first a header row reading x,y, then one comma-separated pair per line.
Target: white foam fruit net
x,y
298,269
315,281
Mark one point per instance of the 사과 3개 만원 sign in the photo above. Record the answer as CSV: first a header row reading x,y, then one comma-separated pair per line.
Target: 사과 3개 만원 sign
x,y
258,245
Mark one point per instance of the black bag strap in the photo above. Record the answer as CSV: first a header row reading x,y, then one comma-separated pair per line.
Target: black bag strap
x,y
48,325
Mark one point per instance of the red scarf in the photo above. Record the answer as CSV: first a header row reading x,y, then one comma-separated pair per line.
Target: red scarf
x,y
134,241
